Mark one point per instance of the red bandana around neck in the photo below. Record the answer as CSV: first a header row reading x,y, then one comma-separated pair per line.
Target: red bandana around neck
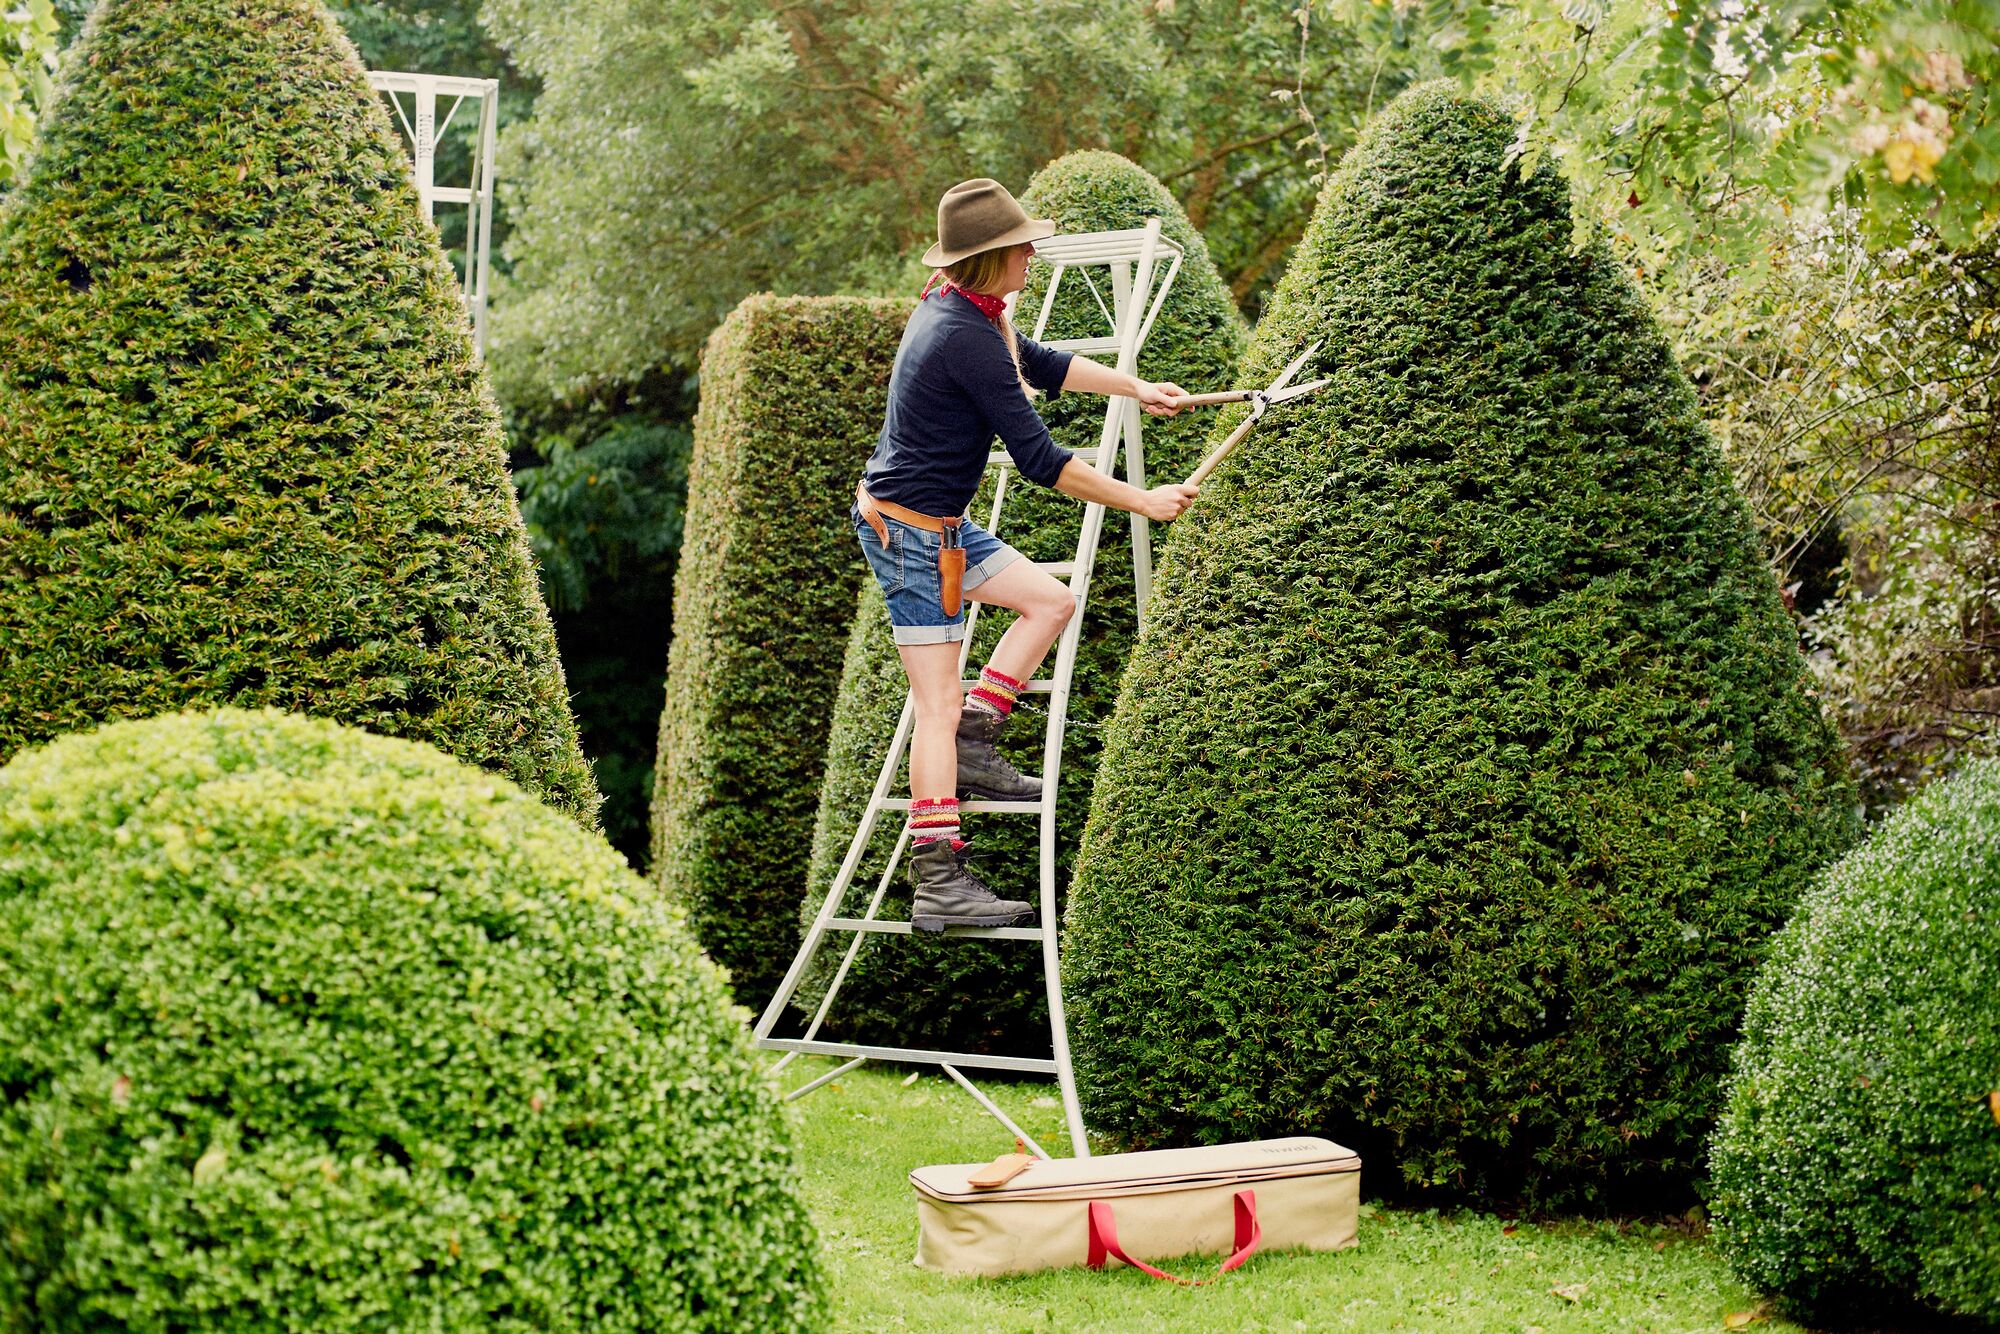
x,y
989,306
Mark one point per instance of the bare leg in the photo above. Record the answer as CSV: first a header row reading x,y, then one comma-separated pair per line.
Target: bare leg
x,y
1045,606
933,673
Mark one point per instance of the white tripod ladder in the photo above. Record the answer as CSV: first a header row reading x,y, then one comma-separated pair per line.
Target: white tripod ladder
x,y
1135,258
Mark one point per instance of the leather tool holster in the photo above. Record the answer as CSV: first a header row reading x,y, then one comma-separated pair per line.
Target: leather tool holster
x,y
951,552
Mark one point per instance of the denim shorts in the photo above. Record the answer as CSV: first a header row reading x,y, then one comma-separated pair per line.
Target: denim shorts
x,y
907,569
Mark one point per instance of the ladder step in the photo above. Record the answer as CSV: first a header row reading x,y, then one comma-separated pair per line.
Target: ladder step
x,y
876,924
1000,458
1061,569
911,1055
1034,687
974,807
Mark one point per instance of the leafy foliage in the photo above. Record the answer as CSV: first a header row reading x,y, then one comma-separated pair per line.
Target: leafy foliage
x,y
249,455
27,58
604,518
1684,111
640,225
1465,759
311,1029
793,394
1858,1153
964,994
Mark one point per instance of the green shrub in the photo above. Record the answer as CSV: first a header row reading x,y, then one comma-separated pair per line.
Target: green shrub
x,y
1466,760
312,1029
1858,1153
793,393
972,995
247,454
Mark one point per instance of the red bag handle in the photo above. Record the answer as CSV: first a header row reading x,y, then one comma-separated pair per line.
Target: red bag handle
x,y
1104,1240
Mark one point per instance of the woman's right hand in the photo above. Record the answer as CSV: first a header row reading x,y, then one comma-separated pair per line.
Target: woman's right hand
x,y
1165,503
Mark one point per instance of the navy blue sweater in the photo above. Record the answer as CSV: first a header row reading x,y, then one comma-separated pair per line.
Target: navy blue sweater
x,y
952,390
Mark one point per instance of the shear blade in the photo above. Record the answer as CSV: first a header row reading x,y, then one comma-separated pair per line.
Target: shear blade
x,y
1293,369
1295,390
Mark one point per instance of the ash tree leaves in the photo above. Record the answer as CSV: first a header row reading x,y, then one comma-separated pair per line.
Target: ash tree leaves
x,y
247,454
1859,1150
313,1029
1465,762
974,995
793,394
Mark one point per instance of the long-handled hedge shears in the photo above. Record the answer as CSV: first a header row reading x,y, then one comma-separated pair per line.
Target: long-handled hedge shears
x,y
1259,400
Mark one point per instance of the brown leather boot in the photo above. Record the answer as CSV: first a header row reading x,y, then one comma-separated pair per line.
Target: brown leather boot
x,y
982,770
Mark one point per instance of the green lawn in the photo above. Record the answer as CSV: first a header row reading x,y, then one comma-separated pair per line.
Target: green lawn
x,y
861,1135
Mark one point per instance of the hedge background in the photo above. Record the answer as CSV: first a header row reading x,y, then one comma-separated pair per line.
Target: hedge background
x,y
246,452
1466,760
793,393
973,995
1858,1158
312,1029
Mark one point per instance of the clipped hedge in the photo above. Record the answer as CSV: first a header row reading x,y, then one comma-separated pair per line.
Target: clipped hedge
x,y
1467,759
793,392
972,995
247,454
312,1029
1859,1153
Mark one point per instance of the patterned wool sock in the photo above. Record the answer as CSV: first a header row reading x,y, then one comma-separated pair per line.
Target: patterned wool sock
x,y
995,692
934,818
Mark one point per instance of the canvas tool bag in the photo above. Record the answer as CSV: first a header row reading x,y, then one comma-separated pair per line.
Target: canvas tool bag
x,y
951,554
1049,1213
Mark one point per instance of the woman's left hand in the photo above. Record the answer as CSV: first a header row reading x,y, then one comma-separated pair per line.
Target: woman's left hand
x,y
1162,399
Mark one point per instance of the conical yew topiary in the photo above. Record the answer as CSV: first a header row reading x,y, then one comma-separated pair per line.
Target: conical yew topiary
x,y
246,451
1467,758
792,395
975,995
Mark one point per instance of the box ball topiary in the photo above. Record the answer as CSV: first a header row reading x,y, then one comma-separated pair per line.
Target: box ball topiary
x,y
1858,1154
307,1028
971,995
793,391
1466,760
247,451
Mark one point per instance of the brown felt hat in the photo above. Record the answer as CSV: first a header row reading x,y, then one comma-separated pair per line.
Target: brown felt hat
x,y
980,215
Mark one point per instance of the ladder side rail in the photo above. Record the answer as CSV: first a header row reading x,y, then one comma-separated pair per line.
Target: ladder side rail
x,y
853,949
856,849
1132,314
489,120
1048,301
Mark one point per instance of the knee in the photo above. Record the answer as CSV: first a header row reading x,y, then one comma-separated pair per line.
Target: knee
x,y
941,707
1058,609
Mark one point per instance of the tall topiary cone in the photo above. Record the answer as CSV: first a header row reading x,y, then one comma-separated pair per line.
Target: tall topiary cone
x,y
247,454
974,995
1467,759
793,390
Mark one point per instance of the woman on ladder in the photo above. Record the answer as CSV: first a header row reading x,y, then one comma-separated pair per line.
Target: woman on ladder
x,y
963,376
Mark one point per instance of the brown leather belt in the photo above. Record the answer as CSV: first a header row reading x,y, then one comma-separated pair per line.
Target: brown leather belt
x,y
951,553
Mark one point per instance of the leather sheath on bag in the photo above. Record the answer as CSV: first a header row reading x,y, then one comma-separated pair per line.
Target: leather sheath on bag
x,y
951,549
1305,1194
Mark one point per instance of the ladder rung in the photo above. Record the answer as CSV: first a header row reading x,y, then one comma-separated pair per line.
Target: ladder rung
x,y
960,932
1034,687
911,1055
973,807
1061,569
1085,346
1000,458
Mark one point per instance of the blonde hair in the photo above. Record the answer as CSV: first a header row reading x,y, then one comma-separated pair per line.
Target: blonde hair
x,y
983,273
